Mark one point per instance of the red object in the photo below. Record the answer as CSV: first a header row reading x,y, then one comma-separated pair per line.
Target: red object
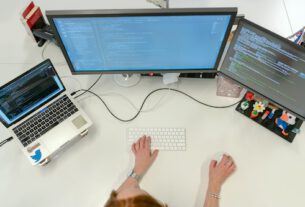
x,y
151,74
31,21
249,96
265,115
28,9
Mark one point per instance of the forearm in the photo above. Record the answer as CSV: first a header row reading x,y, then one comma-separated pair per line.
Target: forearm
x,y
210,200
128,183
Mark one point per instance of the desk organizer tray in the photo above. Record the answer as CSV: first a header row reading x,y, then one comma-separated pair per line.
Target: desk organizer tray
x,y
270,117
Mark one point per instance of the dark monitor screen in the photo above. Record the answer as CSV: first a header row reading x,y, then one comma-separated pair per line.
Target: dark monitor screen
x,y
142,40
269,65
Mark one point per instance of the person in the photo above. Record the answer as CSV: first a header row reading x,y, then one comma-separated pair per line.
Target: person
x,y
129,194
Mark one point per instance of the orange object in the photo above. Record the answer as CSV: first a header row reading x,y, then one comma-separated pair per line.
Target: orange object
x,y
284,117
254,114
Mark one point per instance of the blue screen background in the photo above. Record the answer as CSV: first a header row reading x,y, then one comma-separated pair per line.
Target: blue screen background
x,y
143,43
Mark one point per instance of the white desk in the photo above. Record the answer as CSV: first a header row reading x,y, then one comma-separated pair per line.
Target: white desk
x,y
296,13
270,171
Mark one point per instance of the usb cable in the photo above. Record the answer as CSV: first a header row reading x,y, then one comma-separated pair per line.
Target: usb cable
x,y
5,141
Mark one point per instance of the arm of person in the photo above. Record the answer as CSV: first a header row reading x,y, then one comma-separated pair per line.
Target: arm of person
x,y
218,173
144,158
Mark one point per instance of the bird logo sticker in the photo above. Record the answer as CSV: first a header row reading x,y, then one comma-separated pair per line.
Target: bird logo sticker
x,y
37,156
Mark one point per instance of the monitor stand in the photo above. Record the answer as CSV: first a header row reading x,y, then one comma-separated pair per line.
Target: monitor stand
x,y
127,79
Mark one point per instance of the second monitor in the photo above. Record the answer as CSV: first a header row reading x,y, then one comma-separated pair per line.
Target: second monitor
x,y
269,65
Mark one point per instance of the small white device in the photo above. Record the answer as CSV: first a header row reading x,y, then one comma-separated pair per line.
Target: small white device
x,y
164,139
169,78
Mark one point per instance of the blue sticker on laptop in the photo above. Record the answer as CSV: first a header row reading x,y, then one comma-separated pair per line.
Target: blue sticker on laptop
x,y
37,156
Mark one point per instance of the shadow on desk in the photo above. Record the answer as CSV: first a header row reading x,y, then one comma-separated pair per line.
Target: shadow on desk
x,y
204,178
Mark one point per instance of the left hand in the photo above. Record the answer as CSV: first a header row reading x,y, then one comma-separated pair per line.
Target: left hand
x,y
144,156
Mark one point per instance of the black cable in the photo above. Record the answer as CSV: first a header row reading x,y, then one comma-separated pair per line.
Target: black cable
x,y
5,141
142,105
205,104
97,80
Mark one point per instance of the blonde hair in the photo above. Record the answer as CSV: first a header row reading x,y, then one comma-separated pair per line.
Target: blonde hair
x,y
137,201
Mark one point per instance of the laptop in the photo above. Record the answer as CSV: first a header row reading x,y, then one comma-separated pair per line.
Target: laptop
x,y
40,114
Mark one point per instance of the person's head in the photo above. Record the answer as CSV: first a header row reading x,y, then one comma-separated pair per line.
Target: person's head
x,y
143,200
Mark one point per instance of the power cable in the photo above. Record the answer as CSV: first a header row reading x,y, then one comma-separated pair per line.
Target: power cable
x,y
145,99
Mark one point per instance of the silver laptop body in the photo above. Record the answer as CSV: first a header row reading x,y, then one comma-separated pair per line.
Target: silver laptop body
x,y
41,116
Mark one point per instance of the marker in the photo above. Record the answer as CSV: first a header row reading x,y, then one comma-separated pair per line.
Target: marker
x,y
271,114
265,115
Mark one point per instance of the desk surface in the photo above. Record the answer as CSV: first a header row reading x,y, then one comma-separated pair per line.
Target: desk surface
x,y
270,171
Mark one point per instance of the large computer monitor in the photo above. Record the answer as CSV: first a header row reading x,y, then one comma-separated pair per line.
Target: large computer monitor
x,y
269,65
142,40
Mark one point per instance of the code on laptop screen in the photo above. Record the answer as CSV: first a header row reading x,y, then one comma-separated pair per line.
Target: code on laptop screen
x,y
28,92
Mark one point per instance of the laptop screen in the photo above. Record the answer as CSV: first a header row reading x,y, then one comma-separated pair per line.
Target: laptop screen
x,y
29,91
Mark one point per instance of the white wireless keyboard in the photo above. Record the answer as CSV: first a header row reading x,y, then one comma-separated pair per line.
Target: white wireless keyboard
x,y
164,139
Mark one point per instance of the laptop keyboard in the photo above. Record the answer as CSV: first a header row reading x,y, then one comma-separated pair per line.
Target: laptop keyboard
x,y
43,121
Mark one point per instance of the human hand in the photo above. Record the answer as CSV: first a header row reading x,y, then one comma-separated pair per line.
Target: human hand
x,y
144,156
219,172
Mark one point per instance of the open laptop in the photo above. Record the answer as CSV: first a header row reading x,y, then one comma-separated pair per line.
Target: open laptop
x,y
40,114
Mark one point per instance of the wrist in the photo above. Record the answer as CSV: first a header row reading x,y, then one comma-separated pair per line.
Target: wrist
x,y
214,188
135,176
139,171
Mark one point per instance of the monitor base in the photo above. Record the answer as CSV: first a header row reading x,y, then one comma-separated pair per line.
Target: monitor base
x,y
127,80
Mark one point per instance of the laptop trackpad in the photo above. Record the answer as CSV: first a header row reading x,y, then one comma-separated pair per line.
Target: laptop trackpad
x,y
79,122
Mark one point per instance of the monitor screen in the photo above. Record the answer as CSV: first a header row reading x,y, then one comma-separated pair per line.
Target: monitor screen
x,y
269,65
154,40
28,92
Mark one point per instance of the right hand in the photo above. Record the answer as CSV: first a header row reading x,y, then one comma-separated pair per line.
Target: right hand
x,y
219,172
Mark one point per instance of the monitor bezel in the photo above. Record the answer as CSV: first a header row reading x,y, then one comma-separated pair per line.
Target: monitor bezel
x,y
34,109
295,46
232,11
